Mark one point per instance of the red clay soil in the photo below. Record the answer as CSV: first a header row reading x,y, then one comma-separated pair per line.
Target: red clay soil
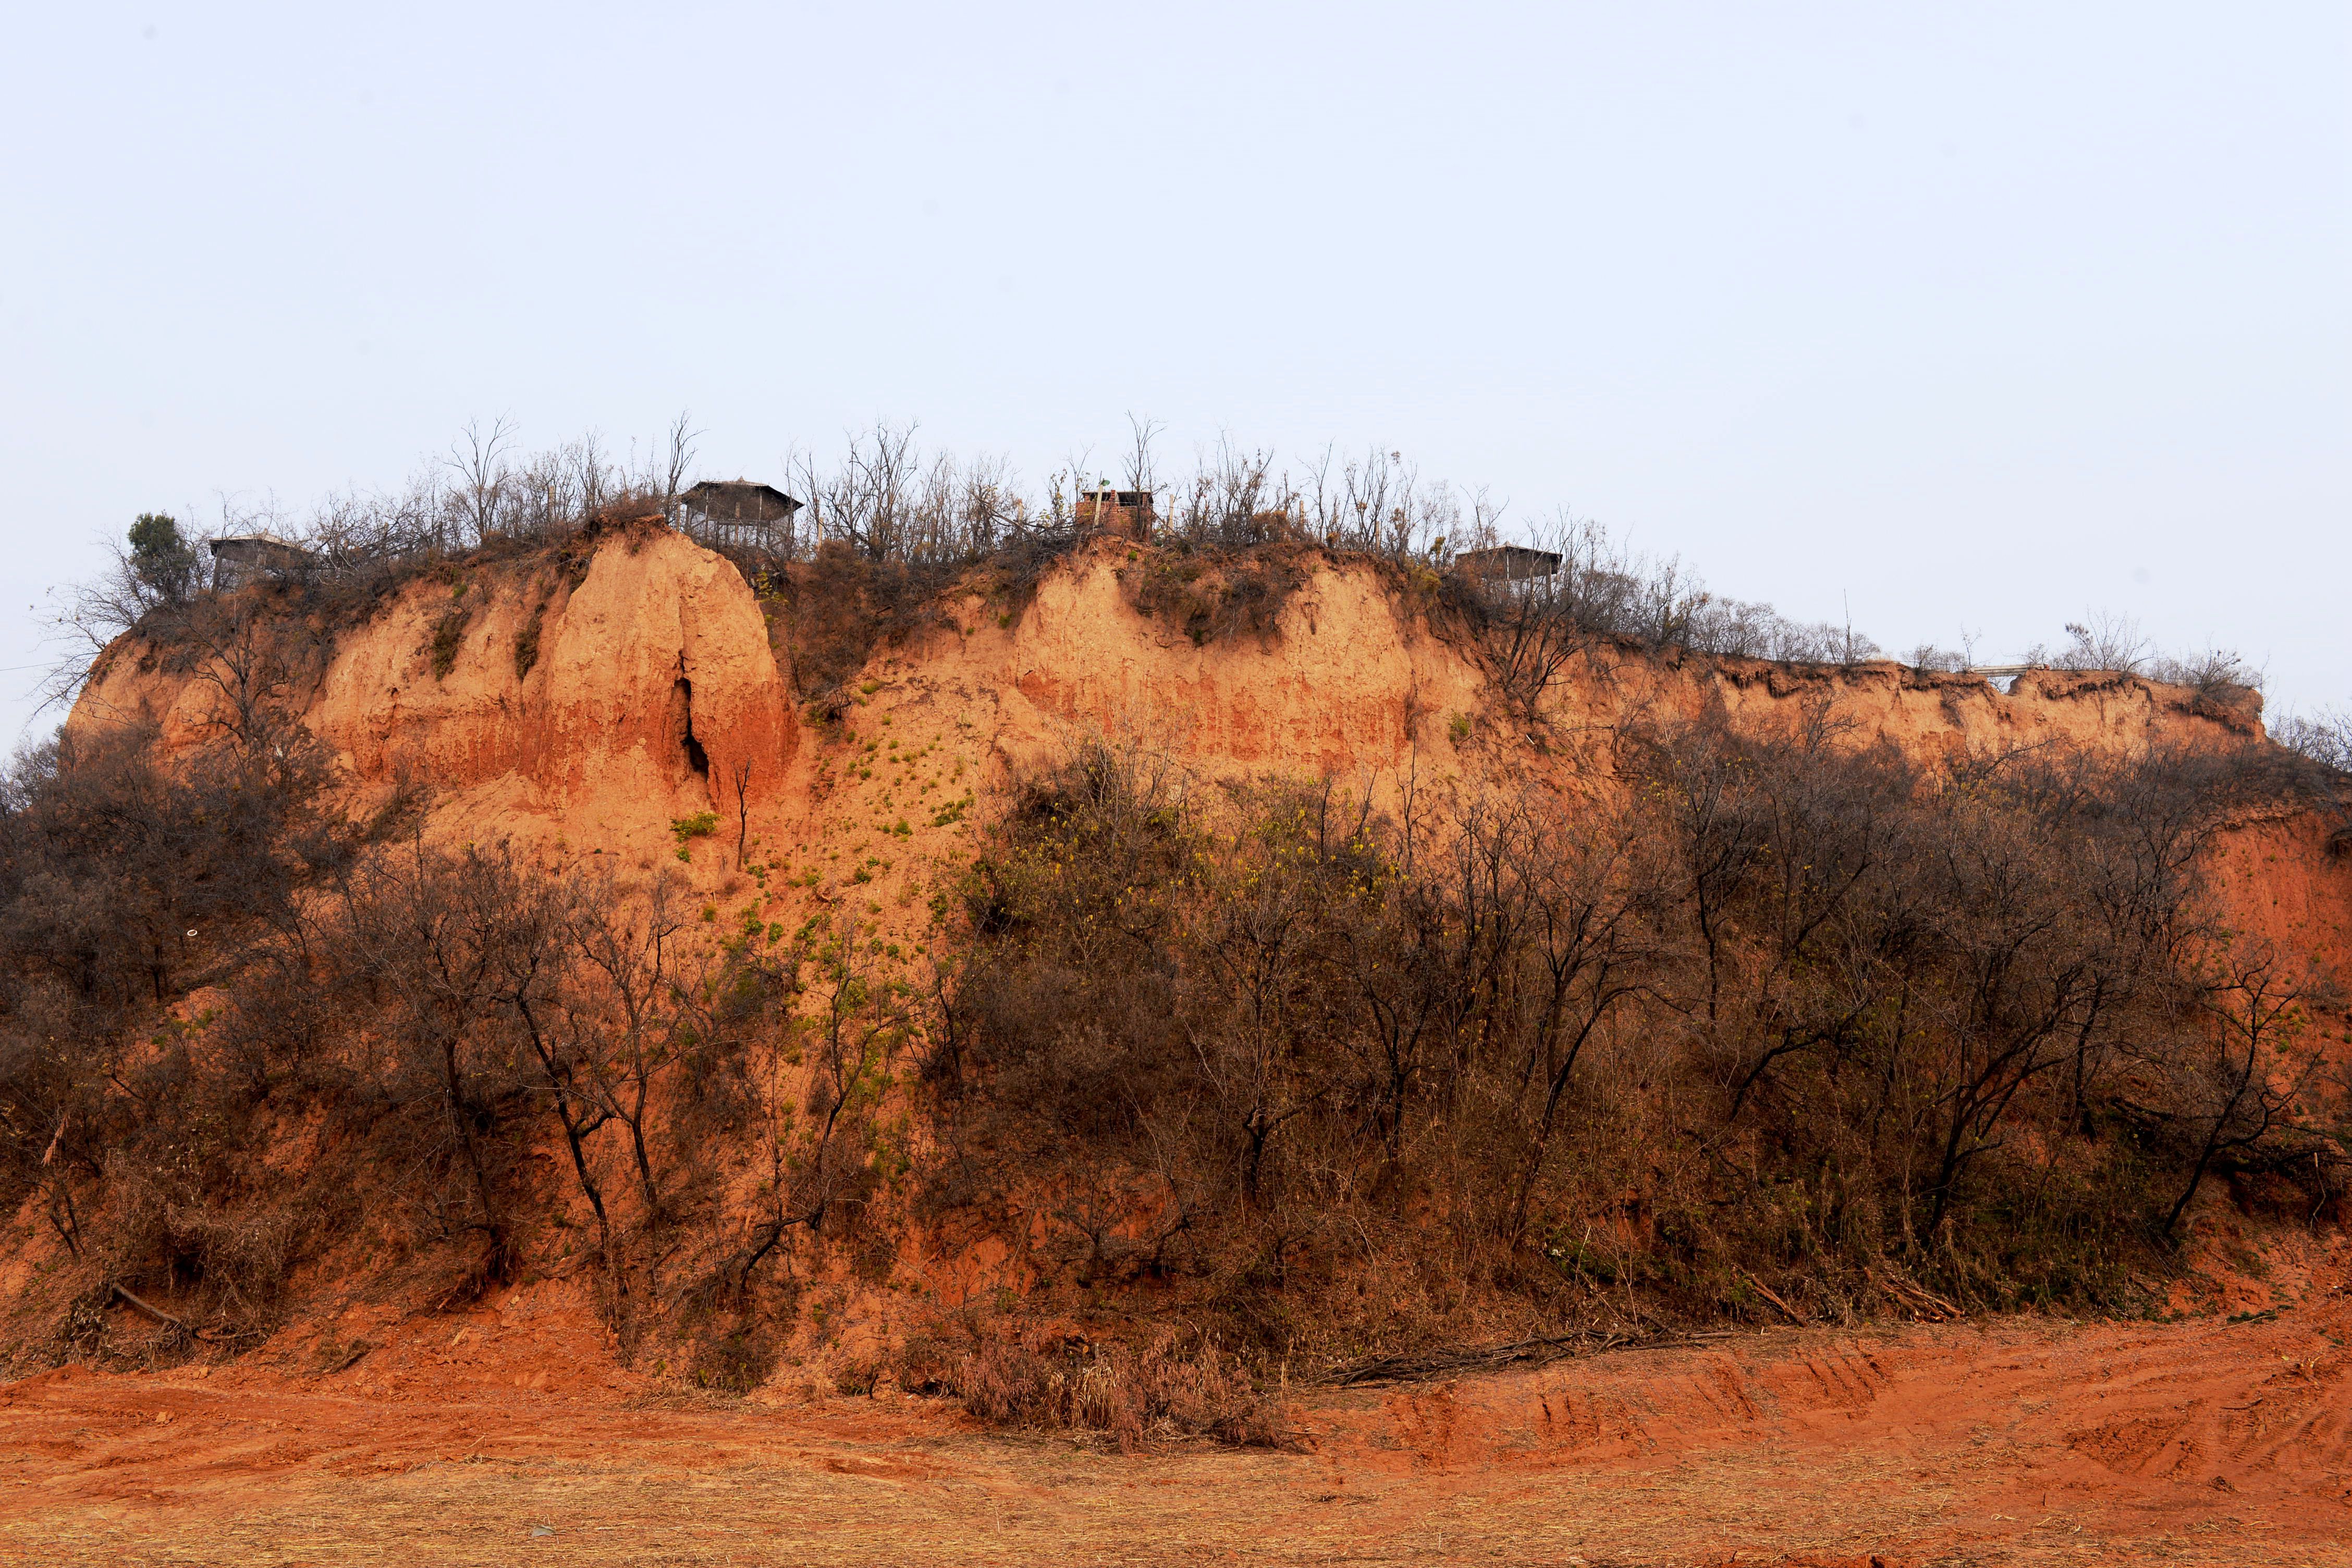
x,y
2210,1441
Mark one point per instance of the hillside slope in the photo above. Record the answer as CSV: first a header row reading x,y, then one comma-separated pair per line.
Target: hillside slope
x,y
634,710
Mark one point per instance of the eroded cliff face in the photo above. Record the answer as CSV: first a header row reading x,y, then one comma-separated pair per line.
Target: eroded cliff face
x,y
649,690
534,700
584,704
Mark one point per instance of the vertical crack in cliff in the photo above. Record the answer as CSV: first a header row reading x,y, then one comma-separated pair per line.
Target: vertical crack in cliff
x,y
696,759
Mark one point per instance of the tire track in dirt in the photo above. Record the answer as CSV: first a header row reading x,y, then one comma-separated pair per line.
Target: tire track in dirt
x,y
2020,1441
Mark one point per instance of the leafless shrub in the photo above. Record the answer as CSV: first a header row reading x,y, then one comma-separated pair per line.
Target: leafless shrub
x,y
889,502
2326,737
1928,657
2214,674
899,523
1234,499
168,1236
429,1019
2247,1073
1132,1392
124,881
124,885
1227,1055
2100,641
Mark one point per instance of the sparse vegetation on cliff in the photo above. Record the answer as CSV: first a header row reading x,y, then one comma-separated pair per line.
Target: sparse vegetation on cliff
x,y
2326,738
1783,1029
234,1037
887,529
1598,1026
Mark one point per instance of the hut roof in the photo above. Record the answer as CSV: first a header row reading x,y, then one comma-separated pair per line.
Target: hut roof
x,y
740,501
1513,563
260,547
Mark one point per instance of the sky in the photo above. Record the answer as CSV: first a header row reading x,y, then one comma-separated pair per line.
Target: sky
x,y
1956,321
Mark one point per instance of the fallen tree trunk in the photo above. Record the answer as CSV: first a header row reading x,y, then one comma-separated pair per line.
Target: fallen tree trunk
x,y
150,1309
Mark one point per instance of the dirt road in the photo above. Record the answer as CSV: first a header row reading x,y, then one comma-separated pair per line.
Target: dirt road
x,y
2210,1442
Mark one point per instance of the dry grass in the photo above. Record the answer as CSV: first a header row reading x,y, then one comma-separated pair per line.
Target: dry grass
x,y
1132,1392
1212,595
1959,1452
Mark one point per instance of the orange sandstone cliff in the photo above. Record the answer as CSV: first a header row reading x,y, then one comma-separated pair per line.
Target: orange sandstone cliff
x,y
584,705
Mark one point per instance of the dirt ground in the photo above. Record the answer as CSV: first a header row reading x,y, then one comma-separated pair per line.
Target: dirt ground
x,y
2213,1441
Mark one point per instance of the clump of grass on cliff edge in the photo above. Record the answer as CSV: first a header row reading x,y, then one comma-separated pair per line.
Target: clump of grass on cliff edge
x,y
1208,596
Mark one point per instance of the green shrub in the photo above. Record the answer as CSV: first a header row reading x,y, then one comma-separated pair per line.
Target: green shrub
x,y
687,829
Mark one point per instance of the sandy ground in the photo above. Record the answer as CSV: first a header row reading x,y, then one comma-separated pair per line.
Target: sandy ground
x,y
2208,1441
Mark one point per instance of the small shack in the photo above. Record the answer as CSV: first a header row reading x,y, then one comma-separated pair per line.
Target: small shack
x,y
1507,564
740,513
1127,513
238,558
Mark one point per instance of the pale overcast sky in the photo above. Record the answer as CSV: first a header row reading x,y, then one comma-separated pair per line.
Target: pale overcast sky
x,y
1970,317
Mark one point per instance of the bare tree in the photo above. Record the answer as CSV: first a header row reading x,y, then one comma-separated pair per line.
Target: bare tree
x,y
2211,671
2325,737
596,479
677,461
478,460
2105,641
823,1167
626,1029
156,570
1142,434
2254,1075
1232,495
866,502
738,774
